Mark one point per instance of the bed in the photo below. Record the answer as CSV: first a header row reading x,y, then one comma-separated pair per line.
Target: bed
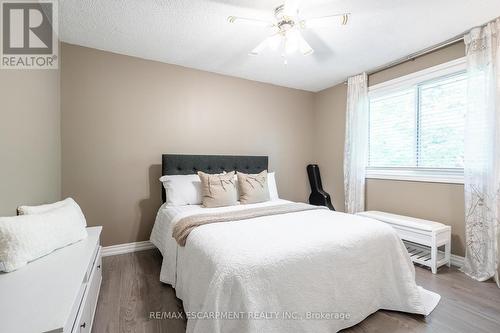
x,y
307,271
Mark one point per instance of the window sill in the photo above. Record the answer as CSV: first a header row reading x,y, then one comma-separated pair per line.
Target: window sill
x,y
448,176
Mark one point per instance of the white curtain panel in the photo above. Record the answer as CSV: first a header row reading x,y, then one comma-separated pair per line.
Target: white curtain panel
x,y
356,143
482,153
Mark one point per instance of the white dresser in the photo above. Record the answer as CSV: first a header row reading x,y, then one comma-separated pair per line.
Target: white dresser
x,y
56,293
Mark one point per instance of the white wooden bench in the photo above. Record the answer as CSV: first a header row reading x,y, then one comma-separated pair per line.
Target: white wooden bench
x,y
421,237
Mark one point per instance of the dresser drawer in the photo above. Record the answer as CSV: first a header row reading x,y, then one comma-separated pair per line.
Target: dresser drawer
x,y
85,317
79,305
92,262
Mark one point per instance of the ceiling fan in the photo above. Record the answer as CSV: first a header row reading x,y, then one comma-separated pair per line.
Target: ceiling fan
x,y
286,30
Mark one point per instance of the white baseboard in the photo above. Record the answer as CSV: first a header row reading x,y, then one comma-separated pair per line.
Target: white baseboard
x,y
457,260
126,248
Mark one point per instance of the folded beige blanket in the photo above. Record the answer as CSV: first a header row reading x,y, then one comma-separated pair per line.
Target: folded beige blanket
x,y
185,225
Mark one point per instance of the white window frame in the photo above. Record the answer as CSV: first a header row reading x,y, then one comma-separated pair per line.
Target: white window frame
x,y
434,175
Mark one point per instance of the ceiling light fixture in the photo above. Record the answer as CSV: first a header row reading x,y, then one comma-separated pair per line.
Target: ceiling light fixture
x,y
286,34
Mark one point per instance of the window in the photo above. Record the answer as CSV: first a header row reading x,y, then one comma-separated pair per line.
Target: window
x,y
416,126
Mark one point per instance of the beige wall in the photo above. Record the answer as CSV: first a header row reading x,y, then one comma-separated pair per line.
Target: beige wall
x,y
433,201
119,114
30,147
440,202
329,117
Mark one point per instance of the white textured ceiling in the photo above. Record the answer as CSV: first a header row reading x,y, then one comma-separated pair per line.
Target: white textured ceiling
x,y
196,34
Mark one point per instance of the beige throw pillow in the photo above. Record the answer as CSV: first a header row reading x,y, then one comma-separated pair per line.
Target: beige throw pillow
x,y
218,190
253,188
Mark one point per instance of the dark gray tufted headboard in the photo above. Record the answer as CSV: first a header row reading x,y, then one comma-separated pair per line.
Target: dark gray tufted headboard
x,y
190,164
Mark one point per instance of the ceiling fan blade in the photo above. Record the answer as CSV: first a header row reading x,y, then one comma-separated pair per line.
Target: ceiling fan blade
x,y
250,21
324,20
304,46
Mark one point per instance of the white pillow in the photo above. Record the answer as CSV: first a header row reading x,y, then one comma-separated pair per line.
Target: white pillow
x,y
25,238
31,210
182,190
273,190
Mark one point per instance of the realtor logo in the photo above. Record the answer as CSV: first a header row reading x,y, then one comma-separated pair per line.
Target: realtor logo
x,y
29,37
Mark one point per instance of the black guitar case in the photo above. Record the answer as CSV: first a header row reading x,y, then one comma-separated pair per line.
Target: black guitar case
x,y
318,196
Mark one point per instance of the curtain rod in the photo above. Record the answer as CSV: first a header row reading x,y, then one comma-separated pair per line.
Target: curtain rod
x,y
418,54
415,55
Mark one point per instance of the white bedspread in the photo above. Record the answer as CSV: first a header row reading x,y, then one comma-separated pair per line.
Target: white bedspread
x,y
312,271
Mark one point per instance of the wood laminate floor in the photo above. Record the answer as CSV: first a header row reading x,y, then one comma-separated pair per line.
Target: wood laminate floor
x,y
131,290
